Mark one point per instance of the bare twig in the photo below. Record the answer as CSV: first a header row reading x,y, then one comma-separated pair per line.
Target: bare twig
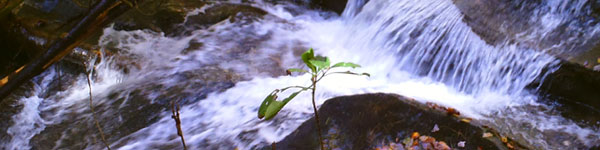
x,y
175,116
93,112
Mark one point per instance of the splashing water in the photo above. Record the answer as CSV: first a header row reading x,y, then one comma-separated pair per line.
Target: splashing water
x,y
420,49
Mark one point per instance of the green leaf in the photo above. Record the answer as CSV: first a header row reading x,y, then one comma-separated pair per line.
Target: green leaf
x,y
320,62
296,70
352,73
346,64
265,104
276,106
307,56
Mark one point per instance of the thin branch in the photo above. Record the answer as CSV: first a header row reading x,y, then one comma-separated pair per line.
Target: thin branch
x,y
175,116
93,112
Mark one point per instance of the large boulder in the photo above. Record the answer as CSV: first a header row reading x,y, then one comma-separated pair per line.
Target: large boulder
x,y
368,120
574,88
506,21
486,18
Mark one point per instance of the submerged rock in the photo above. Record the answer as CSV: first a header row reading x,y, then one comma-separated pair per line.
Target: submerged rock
x,y
367,120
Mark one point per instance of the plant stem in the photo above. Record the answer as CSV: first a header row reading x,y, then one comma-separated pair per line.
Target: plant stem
x,y
93,112
314,87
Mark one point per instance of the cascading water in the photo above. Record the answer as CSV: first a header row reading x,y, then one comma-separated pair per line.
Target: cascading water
x,y
420,49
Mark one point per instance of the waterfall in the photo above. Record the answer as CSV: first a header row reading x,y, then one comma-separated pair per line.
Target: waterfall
x,y
421,49
430,39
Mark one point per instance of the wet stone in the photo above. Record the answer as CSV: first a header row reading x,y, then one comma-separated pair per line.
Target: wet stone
x,y
216,13
573,89
364,121
513,22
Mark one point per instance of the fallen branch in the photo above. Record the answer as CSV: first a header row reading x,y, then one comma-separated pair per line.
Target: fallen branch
x,y
98,17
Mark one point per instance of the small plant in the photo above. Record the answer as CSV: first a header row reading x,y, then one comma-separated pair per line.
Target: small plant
x,y
319,67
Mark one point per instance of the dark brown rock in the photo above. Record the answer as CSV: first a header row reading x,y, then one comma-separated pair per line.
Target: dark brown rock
x,y
216,13
159,16
336,6
15,48
575,89
364,121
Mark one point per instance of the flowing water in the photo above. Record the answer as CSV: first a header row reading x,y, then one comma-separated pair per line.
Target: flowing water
x,y
420,49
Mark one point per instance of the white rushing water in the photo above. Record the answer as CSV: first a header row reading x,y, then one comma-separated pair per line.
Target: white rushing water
x,y
419,49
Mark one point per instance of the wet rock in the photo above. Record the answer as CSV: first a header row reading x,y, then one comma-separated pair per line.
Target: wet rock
x,y
18,52
159,16
29,27
129,108
504,21
169,17
216,13
8,108
486,17
336,6
364,121
575,89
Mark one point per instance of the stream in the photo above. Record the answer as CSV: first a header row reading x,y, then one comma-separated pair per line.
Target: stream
x,y
221,73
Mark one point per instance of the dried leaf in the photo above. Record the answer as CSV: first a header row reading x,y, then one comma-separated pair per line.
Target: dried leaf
x,y
487,135
431,105
466,120
442,146
509,146
430,140
423,138
461,143
452,111
415,143
435,128
504,139
415,135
